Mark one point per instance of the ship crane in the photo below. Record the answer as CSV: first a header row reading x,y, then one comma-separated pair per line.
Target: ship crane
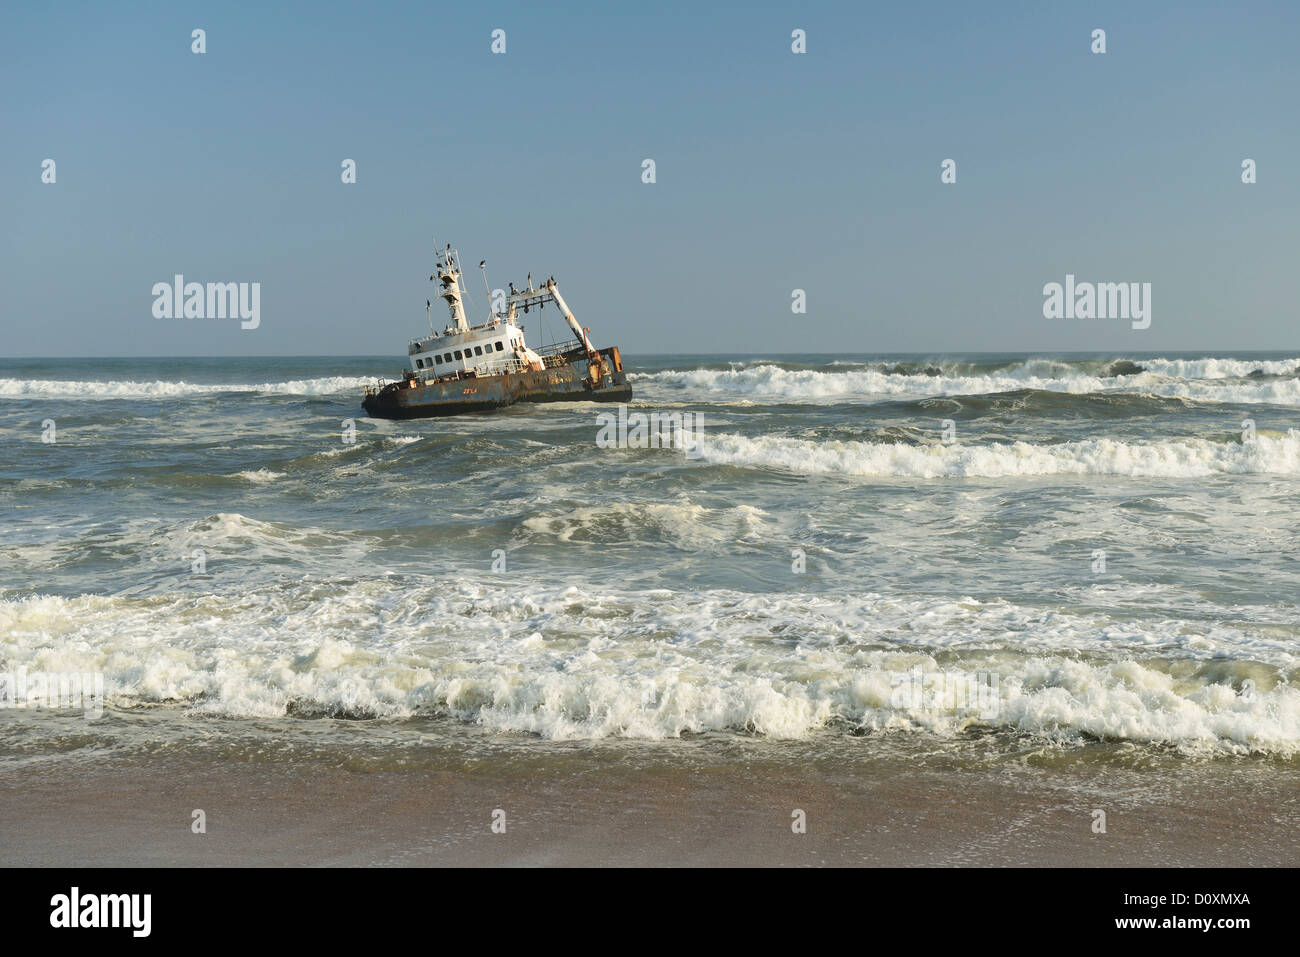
x,y
530,297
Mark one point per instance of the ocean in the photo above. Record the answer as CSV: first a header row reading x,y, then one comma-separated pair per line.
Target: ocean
x,y
952,562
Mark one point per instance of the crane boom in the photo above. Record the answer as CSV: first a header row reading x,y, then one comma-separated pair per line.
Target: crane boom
x,y
528,298
568,316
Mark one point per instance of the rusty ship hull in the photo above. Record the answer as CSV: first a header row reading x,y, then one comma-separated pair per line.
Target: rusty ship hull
x,y
414,398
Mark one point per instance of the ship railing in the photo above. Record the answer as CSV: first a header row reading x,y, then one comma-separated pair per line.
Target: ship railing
x,y
492,367
490,324
502,366
557,348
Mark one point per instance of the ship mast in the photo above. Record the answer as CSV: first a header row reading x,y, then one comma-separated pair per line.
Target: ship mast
x,y
486,288
448,275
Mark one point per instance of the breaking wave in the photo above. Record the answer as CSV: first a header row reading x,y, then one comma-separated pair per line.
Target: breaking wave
x,y
682,525
1186,458
571,663
1208,380
162,388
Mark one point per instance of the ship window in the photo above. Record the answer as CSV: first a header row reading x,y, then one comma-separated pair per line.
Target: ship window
x,y
438,360
419,363
478,350
458,355
500,347
446,357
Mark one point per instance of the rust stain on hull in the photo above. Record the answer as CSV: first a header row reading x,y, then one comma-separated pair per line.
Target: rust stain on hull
x,y
415,399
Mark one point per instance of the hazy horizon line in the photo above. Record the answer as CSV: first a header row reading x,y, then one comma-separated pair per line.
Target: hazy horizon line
x,y
718,355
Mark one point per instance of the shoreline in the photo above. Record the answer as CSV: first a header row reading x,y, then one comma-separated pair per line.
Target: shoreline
x,y
137,811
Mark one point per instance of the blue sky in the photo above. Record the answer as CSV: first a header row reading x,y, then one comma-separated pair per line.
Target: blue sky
x,y
775,171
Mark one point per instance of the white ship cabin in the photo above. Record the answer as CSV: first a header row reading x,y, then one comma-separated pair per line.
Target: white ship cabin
x,y
487,349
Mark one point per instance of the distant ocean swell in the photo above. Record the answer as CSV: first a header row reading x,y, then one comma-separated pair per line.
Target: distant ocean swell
x,y
1217,380
1206,380
1186,458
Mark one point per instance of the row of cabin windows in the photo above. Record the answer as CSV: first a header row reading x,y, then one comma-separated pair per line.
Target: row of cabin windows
x,y
447,356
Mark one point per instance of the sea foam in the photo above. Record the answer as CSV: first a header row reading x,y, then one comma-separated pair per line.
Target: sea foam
x,y
1174,458
1199,380
164,388
575,663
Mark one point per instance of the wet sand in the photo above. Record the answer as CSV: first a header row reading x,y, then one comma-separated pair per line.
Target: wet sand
x,y
596,812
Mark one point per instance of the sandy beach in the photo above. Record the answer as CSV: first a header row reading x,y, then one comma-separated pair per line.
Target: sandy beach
x,y
579,808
